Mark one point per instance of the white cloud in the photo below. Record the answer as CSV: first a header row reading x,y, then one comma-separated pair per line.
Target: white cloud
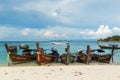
x,y
76,12
54,14
8,32
116,31
48,33
103,31
25,32
56,32
66,11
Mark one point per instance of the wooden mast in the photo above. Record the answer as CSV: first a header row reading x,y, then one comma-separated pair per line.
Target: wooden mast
x,y
112,52
68,54
88,54
8,53
38,53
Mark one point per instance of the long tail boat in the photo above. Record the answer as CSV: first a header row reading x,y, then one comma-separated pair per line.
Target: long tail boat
x,y
23,46
17,58
109,46
104,57
42,57
68,57
85,58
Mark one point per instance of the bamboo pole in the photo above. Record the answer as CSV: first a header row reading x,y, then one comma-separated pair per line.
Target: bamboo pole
x,y
8,58
112,52
88,54
37,45
8,54
39,58
68,54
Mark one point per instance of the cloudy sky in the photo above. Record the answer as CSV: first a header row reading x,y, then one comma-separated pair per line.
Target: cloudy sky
x,y
58,19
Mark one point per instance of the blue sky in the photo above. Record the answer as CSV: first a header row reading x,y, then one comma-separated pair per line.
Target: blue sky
x,y
58,19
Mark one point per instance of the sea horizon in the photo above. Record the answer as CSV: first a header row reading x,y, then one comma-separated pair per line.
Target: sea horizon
x,y
52,40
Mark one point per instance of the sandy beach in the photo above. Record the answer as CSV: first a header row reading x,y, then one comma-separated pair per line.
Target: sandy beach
x,y
81,72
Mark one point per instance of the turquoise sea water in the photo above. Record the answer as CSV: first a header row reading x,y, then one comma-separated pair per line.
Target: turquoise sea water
x,y
74,46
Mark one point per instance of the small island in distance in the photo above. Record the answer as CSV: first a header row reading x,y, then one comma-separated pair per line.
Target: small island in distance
x,y
112,38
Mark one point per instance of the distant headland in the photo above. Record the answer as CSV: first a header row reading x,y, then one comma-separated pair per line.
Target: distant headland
x,y
112,38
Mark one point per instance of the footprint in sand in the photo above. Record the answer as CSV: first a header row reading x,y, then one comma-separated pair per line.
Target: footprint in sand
x,y
77,73
6,73
52,70
61,69
23,71
16,79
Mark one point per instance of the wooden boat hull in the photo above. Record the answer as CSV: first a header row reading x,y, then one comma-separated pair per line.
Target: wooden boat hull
x,y
20,58
84,58
64,58
16,58
43,58
102,58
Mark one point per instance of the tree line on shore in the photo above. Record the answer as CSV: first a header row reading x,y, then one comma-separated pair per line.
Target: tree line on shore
x,y
112,38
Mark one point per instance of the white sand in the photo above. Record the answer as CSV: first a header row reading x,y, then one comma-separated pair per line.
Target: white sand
x,y
81,72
